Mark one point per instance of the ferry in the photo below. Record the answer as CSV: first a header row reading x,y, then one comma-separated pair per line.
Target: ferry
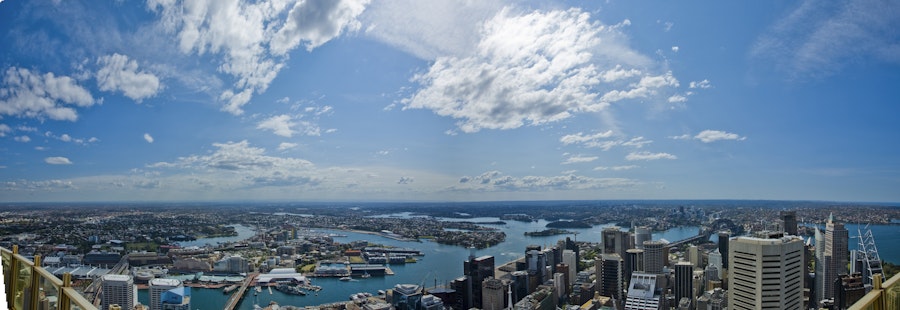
x,y
229,289
346,279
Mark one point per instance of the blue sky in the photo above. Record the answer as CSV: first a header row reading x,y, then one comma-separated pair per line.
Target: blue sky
x,y
166,100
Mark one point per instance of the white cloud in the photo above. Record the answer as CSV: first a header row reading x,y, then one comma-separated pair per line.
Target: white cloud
x,y
4,129
119,74
497,181
57,160
681,137
23,139
675,49
65,138
281,125
148,138
677,99
531,69
708,136
700,84
253,39
316,22
644,155
819,38
579,159
32,95
616,168
582,138
284,146
429,29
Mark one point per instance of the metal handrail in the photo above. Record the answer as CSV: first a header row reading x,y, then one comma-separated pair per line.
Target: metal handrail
x,y
68,298
877,299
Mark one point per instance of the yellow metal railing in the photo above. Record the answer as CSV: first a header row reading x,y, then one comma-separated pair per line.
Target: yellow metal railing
x,y
28,286
883,296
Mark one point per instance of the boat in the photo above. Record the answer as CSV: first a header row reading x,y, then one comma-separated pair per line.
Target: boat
x,y
229,289
366,275
289,289
259,289
270,290
346,279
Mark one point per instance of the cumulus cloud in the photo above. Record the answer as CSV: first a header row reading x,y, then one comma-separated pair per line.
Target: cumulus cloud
x,y
601,141
117,73
23,139
33,95
284,125
708,136
4,129
579,159
534,68
644,155
818,38
57,160
148,138
675,49
497,181
253,38
677,99
700,84
616,168
284,146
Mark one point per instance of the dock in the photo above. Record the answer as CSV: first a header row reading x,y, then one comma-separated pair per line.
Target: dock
x,y
236,297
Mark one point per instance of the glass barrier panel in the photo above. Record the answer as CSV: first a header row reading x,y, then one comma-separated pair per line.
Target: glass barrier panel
x,y
23,285
49,293
77,301
7,264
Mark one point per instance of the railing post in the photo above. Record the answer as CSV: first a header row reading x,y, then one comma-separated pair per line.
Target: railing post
x,y
876,285
13,277
64,303
35,283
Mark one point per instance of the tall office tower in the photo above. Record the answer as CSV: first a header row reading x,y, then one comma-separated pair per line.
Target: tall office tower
x,y
684,285
644,292
610,269
655,256
118,290
519,285
572,246
570,258
835,255
694,256
478,269
463,298
766,273
789,220
634,262
493,294
723,248
176,299
715,259
819,290
406,297
615,240
157,288
848,289
641,234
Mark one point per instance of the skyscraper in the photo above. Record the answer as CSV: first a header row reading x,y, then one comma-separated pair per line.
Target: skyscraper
x,y
615,241
641,234
766,273
723,247
634,262
477,270
610,276
493,294
819,290
157,288
684,275
569,258
118,290
655,256
835,255
789,220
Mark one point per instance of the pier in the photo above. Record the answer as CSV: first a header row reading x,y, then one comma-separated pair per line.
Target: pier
x,y
236,297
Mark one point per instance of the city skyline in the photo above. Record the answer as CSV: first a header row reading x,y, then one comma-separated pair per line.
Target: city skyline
x,y
441,101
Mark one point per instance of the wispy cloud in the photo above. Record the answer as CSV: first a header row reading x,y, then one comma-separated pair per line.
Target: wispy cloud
x,y
56,160
819,38
708,136
498,181
616,168
579,159
644,155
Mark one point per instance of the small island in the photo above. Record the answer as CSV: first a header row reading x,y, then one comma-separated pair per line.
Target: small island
x,y
548,232
569,224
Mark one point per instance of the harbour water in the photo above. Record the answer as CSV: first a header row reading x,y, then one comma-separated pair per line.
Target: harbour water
x,y
443,263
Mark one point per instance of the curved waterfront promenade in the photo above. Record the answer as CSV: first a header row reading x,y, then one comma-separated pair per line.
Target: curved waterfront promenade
x,y
236,297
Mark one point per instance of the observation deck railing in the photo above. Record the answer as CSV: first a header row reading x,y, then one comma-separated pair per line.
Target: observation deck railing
x,y
884,296
28,286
